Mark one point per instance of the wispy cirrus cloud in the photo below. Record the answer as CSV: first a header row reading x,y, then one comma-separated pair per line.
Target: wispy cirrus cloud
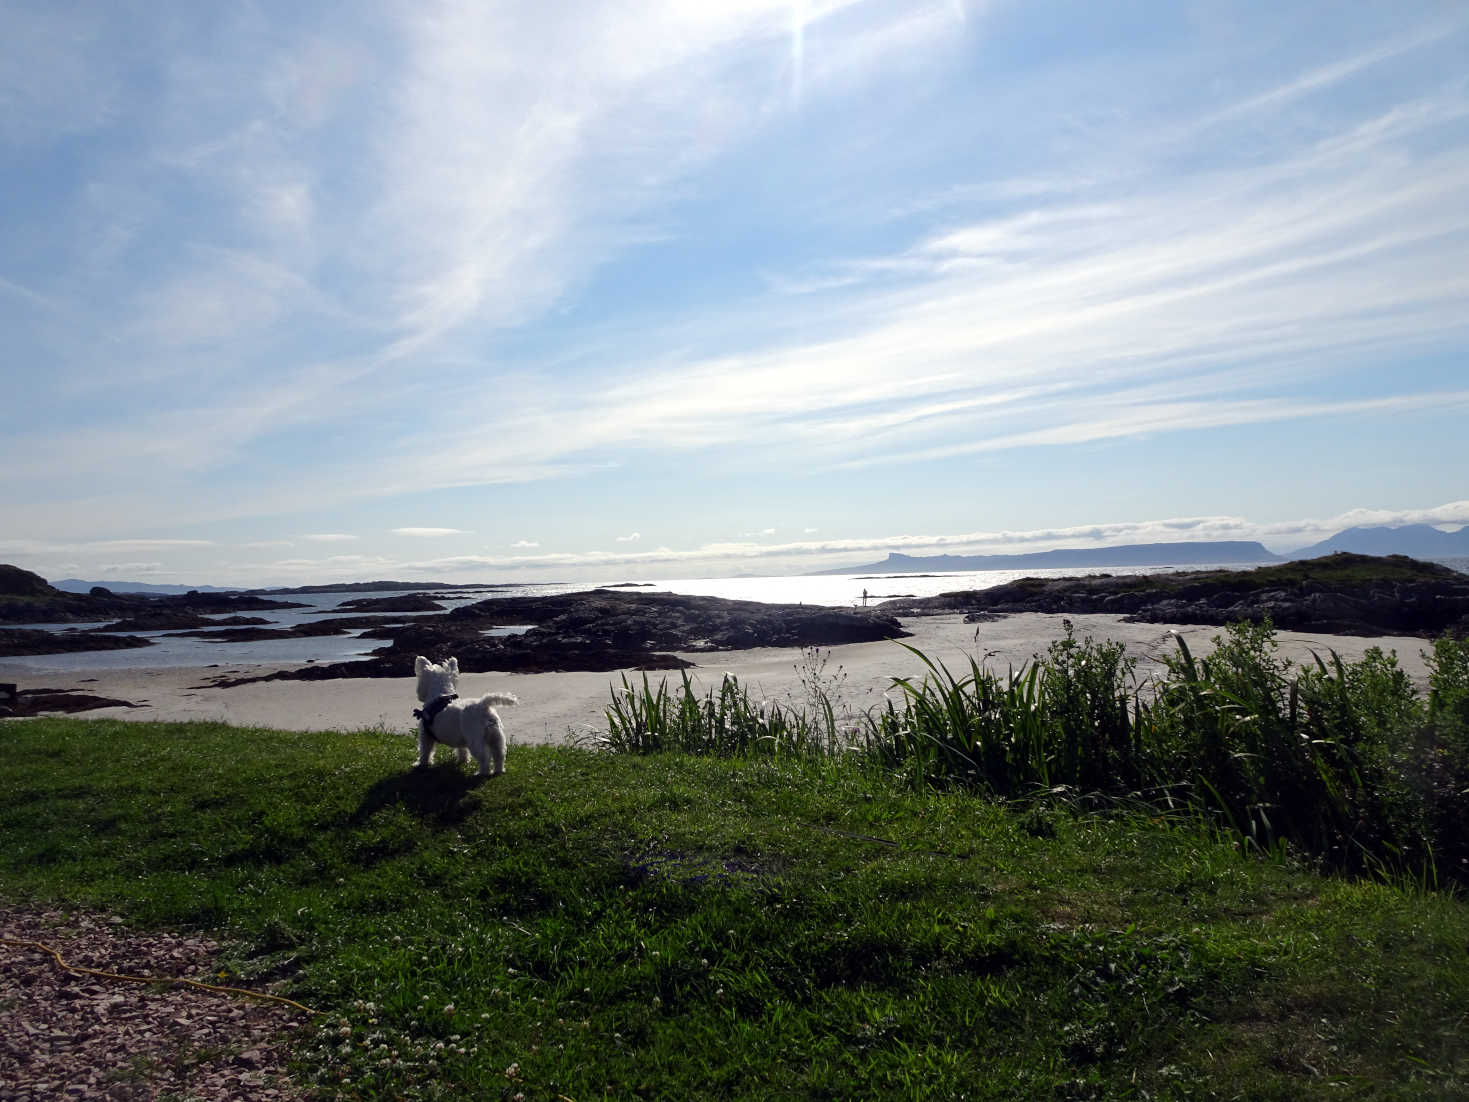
x,y
116,546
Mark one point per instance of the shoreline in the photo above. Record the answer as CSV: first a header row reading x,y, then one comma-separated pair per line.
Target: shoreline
x,y
568,707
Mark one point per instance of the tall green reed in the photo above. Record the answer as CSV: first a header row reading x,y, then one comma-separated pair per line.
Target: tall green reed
x,y
1340,760
724,721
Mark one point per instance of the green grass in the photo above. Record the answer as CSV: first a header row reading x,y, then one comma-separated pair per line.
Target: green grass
x,y
762,926
1344,762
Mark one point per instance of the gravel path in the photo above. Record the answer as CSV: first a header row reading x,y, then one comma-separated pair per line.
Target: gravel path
x,y
64,1035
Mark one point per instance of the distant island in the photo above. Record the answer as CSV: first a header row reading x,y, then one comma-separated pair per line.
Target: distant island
x,y
1418,541
1213,553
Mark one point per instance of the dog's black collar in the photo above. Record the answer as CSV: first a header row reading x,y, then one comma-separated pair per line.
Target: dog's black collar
x,y
430,711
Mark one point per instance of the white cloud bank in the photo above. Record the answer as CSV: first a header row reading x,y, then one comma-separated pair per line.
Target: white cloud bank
x,y
793,556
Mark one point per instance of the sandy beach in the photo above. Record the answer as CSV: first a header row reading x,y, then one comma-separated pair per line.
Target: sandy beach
x,y
570,707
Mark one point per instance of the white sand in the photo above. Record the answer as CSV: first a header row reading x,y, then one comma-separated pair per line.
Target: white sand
x,y
561,707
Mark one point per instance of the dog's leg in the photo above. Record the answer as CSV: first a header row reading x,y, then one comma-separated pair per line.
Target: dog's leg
x,y
475,741
461,755
495,736
425,745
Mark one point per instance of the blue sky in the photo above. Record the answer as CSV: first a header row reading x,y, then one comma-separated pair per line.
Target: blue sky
x,y
295,293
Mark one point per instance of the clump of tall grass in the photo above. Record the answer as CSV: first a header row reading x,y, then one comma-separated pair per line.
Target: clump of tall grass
x,y
1069,719
1344,761
724,721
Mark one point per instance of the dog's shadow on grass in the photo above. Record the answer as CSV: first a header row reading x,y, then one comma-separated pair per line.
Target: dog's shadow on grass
x,y
436,794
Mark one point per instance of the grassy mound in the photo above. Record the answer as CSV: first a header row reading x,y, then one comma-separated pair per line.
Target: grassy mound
x,y
774,926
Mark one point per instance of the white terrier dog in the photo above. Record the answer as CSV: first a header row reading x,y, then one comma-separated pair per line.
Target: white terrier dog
x,y
473,726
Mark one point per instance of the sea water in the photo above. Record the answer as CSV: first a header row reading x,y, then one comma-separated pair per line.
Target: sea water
x,y
834,590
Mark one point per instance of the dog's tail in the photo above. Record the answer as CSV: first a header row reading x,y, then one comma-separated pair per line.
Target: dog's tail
x,y
500,698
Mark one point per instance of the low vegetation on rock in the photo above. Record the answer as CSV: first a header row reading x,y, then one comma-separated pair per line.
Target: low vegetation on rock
x,y
1342,594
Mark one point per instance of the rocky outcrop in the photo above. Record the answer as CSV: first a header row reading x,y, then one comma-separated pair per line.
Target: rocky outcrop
x,y
677,622
15,582
1340,594
604,630
35,702
408,602
377,627
15,642
488,656
27,598
179,621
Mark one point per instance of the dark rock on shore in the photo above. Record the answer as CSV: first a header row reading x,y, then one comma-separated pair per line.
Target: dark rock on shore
x,y
243,634
603,630
17,642
675,621
489,656
409,602
428,636
15,582
1340,594
179,621
32,702
28,598
377,627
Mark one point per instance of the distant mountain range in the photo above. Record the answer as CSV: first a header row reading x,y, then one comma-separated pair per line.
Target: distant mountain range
x,y
1213,553
76,585
1419,541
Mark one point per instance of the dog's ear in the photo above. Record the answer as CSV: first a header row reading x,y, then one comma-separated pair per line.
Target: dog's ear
x,y
453,665
419,664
